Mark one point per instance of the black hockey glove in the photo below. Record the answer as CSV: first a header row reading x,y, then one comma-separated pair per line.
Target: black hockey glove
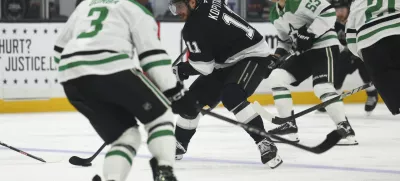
x,y
182,103
274,62
183,70
304,39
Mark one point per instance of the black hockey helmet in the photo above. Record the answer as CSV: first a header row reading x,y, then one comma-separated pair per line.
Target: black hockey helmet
x,y
175,5
341,3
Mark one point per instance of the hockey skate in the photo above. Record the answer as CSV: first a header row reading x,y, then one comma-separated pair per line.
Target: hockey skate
x,y
372,100
345,129
180,150
269,153
289,128
161,173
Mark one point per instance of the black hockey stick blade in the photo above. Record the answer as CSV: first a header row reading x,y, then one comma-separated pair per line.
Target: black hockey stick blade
x,y
331,140
22,152
179,58
85,162
278,120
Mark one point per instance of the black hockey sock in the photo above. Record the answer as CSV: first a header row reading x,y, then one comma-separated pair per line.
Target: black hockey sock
x,y
184,135
258,123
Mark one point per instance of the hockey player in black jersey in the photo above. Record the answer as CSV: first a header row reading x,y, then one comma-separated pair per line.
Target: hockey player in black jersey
x,y
348,63
231,58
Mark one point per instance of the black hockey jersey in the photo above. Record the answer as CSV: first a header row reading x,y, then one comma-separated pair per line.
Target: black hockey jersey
x,y
217,37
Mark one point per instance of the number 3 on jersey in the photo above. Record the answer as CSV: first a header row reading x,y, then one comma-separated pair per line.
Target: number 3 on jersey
x,y
229,20
97,23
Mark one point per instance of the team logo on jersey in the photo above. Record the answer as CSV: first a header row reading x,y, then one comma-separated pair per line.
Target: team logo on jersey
x,y
292,35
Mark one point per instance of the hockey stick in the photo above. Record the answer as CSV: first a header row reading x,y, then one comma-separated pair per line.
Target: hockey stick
x,y
179,58
277,120
22,152
85,162
330,141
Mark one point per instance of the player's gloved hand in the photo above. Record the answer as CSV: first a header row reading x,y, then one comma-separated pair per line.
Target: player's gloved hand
x,y
274,61
304,39
179,71
182,103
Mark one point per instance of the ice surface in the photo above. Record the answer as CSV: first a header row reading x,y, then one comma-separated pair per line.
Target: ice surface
x,y
217,152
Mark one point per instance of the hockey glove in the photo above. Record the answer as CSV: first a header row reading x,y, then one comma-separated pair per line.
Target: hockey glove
x,y
183,70
274,62
181,103
304,39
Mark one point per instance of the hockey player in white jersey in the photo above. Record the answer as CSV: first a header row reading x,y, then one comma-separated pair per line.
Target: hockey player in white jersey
x,y
373,34
306,27
95,54
347,63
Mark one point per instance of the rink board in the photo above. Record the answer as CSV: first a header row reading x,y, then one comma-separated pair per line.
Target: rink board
x,y
28,74
62,104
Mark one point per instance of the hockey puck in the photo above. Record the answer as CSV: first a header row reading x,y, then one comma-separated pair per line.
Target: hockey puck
x,y
79,162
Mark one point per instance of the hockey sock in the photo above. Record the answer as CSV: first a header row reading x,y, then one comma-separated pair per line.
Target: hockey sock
x,y
283,101
184,135
325,92
245,114
186,128
161,141
118,160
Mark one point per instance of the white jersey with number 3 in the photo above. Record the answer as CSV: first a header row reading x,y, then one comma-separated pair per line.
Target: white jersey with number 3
x,y
370,21
100,37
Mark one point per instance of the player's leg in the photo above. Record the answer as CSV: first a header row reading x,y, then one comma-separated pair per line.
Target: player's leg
x,y
241,83
372,93
152,108
292,72
342,67
206,89
114,125
383,65
322,65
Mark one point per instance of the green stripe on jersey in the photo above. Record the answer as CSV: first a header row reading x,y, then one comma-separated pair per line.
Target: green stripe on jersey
x,y
92,62
141,7
372,33
150,65
328,14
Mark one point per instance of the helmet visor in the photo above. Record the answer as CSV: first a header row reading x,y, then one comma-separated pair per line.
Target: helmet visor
x,y
177,7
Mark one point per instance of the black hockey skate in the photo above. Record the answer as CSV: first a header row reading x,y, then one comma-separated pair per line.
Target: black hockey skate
x,y
348,134
161,173
180,150
269,153
289,128
372,100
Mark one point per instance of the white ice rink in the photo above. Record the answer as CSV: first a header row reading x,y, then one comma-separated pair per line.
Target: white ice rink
x,y
218,151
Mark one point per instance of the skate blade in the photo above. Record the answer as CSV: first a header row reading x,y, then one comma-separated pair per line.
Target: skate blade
x,y
178,157
275,162
368,113
349,141
293,137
